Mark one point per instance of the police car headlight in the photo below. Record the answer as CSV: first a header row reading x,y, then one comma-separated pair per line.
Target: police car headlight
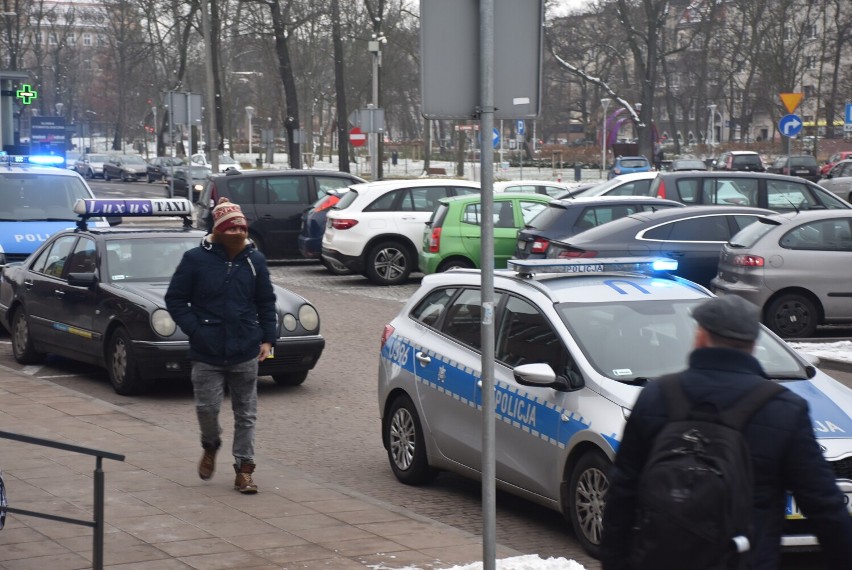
x,y
162,323
309,317
289,322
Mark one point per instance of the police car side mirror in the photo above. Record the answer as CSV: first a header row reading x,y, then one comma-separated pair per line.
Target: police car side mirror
x,y
541,375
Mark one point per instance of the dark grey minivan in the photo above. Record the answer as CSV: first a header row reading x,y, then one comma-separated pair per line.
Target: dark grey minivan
x,y
273,202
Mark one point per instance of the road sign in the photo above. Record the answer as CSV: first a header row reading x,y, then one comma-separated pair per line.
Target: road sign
x,y
848,120
790,125
521,127
495,138
356,137
791,100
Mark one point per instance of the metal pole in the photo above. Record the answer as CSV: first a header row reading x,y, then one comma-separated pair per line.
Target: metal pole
x,y
209,72
605,105
374,141
489,491
98,535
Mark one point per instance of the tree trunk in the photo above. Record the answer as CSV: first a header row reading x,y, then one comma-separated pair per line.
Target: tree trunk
x,y
285,68
340,90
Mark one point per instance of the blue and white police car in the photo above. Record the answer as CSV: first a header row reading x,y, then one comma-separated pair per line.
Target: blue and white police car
x,y
575,341
36,201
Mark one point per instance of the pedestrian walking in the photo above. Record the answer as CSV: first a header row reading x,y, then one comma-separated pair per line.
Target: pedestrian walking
x,y
221,296
658,156
784,455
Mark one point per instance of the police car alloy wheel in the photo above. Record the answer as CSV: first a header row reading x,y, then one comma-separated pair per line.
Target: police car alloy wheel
x,y
586,498
405,444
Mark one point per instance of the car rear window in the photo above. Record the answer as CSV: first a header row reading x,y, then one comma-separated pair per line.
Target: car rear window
x,y
634,163
749,235
803,161
551,215
439,215
746,160
346,200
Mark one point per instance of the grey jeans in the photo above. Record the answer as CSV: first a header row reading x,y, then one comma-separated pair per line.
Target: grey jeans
x,y
208,383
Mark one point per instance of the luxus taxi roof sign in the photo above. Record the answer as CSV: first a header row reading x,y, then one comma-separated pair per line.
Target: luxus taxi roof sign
x,y
137,207
647,265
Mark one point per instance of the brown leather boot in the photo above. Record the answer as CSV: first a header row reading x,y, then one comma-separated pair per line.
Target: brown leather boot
x,y
207,465
244,483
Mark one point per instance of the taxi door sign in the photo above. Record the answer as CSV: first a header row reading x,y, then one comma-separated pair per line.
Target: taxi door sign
x,y
791,100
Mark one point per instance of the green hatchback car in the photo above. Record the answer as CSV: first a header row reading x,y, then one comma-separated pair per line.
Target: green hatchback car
x,y
452,237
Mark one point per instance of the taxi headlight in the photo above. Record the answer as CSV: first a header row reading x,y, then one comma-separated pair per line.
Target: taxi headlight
x,y
289,322
162,323
309,317
198,187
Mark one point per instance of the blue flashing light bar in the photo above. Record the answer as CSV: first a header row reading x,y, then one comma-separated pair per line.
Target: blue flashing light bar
x,y
139,207
47,160
35,159
646,265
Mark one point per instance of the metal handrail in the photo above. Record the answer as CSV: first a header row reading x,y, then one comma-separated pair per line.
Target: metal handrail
x,y
98,523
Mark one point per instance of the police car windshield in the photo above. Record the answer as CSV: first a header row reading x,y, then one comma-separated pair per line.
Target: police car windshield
x,y
150,259
31,196
626,341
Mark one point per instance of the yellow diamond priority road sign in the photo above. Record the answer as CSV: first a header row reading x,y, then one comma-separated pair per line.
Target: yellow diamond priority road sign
x,y
791,100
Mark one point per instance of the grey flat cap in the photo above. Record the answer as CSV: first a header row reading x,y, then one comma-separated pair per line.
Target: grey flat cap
x,y
729,316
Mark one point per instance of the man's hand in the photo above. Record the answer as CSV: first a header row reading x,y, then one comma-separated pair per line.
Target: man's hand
x,y
265,351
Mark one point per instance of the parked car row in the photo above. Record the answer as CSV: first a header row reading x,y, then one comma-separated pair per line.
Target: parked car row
x,y
132,167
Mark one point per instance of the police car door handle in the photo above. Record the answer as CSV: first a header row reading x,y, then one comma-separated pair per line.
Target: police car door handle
x,y
422,359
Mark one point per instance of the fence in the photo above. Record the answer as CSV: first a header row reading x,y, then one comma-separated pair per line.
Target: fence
x,y
98,523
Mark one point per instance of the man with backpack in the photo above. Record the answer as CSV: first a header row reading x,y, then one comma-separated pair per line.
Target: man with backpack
x,y
707,457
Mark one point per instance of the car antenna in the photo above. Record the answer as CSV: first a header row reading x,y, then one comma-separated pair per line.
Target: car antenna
x,y
795,207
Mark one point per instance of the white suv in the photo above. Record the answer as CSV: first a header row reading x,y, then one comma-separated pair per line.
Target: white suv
x,y
375,228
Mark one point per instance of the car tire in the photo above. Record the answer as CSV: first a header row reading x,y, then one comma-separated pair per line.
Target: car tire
x,y
587,489
106,177
455,263
291,379
405,443
150,179
89,174
22,343
121,365
258,243
792,316
389,263
335,267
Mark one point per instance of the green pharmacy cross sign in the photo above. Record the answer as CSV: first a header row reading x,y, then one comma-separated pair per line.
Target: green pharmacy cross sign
x,y
26,94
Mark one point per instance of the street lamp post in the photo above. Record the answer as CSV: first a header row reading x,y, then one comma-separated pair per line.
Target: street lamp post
x,y
249,115
605,104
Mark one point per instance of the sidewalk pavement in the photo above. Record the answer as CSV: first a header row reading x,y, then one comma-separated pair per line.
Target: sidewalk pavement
x,y
160,515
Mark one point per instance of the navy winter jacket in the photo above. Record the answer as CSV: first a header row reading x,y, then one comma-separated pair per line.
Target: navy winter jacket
x,y
226,308
785,456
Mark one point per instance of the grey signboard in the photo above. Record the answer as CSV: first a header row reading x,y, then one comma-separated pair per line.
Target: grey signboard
x,y
450,60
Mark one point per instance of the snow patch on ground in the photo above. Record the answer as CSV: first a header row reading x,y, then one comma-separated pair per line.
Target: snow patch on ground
x,y
840,350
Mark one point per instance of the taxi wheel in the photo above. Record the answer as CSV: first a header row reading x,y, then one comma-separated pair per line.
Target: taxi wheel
x,y
292,379
22,342
587,488
406,447
792,316
389,263
121,365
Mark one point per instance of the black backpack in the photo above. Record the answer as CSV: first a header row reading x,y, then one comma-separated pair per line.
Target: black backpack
x,y
695,496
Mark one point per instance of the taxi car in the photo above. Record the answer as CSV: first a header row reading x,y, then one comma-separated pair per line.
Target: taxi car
x,y
97,295
575,341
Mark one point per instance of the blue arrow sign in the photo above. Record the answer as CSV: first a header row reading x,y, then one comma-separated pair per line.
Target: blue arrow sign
x,y
495,138
521,127
790,125
848,113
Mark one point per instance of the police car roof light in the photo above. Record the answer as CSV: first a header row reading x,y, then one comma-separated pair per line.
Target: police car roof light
x,y
35,160
646,265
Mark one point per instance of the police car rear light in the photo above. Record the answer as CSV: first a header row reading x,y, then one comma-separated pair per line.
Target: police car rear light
x,y
745,260
435,241
539,245
646,265
576,254
343,224
386,334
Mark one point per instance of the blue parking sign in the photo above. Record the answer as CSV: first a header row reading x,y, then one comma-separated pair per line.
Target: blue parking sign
x,y
521,127
848,113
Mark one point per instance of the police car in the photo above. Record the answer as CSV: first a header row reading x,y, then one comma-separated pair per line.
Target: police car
x,y
98,295
575,341
36,201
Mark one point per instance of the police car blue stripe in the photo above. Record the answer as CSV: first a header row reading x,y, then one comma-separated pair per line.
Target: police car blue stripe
x,y
517,408
830,421
26,237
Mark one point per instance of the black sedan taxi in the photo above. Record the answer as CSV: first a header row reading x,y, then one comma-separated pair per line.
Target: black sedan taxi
x,y
97,295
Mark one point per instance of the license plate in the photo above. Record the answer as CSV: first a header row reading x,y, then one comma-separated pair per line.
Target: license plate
x,y
793,512
802,172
